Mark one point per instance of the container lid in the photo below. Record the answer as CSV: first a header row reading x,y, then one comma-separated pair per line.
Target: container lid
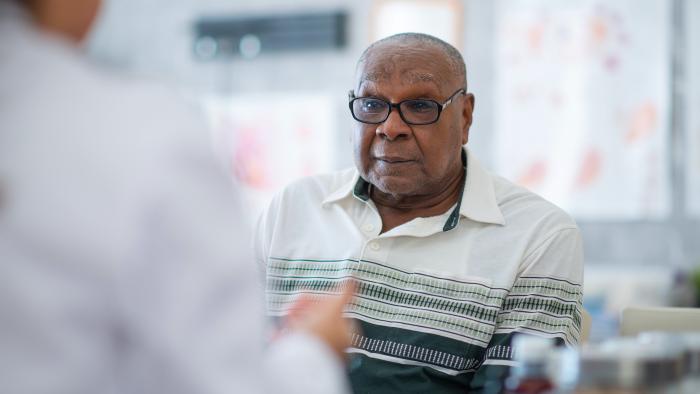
x,y
530,348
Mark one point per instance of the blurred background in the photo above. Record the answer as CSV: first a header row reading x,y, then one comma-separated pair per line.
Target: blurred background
x,y
593,104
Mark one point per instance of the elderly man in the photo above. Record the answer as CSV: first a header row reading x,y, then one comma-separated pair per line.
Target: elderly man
x,y
450,260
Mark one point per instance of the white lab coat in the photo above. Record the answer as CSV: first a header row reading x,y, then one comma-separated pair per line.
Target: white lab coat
x,y
124,261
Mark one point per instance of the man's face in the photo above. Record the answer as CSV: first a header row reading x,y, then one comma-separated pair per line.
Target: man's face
x,y
411,160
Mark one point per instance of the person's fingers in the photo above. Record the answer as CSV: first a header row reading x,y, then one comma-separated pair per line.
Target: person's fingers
x,y
330,305
348,290
300,306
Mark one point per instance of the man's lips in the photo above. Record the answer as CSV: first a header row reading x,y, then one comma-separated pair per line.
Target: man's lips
x,y
394,159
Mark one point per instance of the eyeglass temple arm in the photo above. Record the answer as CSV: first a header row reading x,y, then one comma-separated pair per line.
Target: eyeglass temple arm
x,y
462,91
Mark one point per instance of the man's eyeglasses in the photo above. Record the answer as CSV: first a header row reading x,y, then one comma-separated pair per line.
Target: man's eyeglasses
x,y
414,111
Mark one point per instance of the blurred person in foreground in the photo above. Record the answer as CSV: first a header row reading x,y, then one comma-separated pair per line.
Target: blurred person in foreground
x,y
124,261
451,261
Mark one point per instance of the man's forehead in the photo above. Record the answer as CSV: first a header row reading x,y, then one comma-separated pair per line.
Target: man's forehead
x,y
407,75
407,66
375,82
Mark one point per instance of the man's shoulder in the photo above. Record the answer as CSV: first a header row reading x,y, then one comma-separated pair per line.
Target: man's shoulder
x,y
319,187
520,206
304,198
552,240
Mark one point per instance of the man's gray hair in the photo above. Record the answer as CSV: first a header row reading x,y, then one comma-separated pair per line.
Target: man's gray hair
x,y
454,58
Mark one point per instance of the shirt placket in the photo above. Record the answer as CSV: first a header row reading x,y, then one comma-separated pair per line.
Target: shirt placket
x,y
374,247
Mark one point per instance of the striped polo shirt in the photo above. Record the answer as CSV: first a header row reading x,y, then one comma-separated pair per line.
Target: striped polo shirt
x,y
439,298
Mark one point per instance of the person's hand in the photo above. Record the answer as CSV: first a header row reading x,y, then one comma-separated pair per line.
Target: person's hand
x,y
322,317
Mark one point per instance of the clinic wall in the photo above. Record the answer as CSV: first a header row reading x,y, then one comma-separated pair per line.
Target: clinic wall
x,y
158,44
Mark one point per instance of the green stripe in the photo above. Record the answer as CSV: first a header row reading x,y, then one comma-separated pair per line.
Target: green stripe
x,y
417,346
362,269
284,259
539,304
545,286
551,278
520,311
543,290
368,308
380,291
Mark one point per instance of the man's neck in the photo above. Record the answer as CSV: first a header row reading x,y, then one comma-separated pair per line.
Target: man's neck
x,y
397,210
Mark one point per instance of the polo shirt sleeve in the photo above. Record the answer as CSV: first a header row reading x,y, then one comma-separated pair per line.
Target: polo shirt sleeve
x,y
545,300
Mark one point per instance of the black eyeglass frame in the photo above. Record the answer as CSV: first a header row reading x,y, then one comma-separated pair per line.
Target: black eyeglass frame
x,y
440,107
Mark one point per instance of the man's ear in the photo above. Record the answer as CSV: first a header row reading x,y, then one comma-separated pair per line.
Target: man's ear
x,y
467,114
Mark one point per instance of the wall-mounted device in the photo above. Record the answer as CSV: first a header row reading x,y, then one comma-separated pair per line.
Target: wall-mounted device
x,y
221,38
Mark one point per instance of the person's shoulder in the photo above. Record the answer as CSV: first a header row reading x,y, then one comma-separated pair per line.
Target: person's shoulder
x,y
521,206
96,100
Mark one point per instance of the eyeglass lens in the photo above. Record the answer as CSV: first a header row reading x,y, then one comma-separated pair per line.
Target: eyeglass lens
x,y
373,110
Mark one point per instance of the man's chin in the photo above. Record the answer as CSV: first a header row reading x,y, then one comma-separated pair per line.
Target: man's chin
x,y
396,185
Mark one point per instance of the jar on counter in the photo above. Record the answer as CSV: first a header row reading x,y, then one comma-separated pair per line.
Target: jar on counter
x,y
531,374
630,366
689,344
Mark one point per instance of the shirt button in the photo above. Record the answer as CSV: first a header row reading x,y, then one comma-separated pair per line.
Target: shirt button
x,y
374,245
368,228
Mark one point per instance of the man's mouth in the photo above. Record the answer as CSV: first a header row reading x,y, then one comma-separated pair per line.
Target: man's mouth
x,y
394,159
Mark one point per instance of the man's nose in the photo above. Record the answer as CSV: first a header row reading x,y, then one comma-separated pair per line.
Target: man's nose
x,y
394,127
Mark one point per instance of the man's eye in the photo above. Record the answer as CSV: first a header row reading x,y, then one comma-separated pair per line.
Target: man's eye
x,y
419,106
372,105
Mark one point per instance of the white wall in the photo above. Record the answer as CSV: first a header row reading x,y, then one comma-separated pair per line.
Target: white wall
x,y
158,43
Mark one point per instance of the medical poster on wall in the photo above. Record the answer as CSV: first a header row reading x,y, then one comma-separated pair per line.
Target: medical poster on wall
x,y
272,139
582,91
692,168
